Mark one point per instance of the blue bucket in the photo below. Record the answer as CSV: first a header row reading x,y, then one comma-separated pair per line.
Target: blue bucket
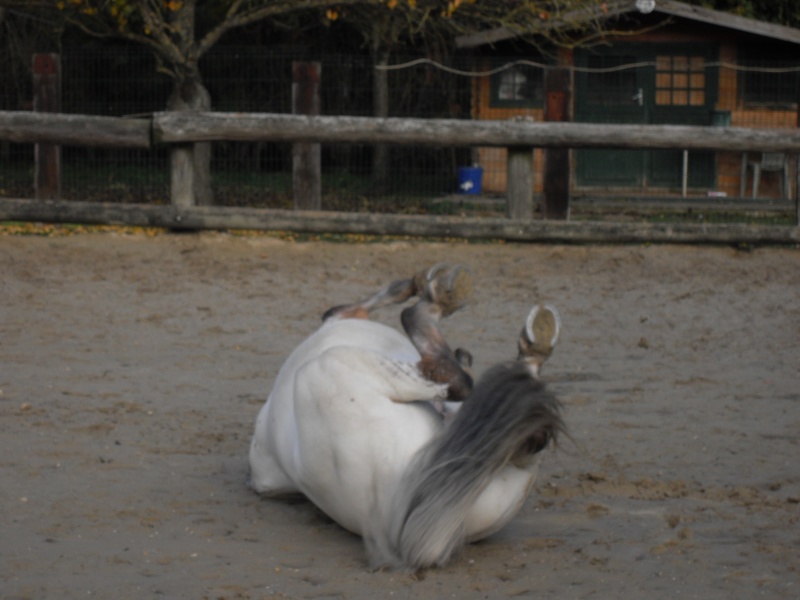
x,y
470,180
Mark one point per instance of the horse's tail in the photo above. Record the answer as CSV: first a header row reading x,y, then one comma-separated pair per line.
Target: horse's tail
x,y
508,417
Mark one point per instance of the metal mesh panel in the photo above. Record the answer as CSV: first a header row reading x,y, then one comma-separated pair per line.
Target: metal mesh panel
x,y
761,91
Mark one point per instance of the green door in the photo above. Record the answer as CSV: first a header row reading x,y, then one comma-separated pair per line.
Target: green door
x,y
608,91
646,84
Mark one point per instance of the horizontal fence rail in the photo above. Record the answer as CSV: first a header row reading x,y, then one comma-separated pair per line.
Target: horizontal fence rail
x,y
217,217
74,130
520,136
188,127
181,127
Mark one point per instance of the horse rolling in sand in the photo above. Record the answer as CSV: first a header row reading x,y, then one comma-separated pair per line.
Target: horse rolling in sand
x,y
387,434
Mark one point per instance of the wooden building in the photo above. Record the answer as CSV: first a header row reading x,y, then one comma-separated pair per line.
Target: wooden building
x,y
675,64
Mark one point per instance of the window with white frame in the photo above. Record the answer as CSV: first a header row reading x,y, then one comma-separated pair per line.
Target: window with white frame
x,y
519,85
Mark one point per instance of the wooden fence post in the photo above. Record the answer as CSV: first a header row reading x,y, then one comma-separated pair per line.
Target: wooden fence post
x,y
306,156
519,187
797,189
797,179
556,160
182,179
47,98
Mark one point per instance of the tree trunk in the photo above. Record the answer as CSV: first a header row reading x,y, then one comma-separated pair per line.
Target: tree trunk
x,y
189,94
380,93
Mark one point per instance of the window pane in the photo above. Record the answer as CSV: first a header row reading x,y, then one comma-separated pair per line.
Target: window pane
x,y
759,86
663,80
664,63
680,80
663,97
698,98
511,84
517,86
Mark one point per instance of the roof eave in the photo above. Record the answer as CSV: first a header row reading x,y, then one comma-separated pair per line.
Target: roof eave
x,y
729,21
666,7
501,34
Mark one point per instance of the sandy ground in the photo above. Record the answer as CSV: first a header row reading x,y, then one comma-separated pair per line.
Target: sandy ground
x,y
132,369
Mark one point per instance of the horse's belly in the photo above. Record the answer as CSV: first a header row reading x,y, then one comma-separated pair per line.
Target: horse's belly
x,y
330,429
350,469
354,443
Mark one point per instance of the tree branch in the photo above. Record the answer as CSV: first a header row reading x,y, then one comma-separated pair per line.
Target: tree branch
x,y
253,13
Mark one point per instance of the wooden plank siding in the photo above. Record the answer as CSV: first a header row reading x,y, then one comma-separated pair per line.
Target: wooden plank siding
x,y
729,164
494,160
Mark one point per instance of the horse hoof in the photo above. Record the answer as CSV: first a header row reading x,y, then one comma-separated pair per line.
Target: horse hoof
x,y
464,358
540,334
450,288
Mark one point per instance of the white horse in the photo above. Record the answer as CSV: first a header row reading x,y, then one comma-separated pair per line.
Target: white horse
x,y
364,421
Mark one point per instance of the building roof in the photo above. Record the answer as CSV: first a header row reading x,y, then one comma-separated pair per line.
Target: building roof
x,y
668,8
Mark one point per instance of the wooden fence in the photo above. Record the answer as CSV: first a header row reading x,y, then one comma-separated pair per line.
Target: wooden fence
x,y
181,129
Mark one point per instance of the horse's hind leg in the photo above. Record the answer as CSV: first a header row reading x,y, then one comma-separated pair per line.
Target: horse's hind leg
x,y
424,284
539,336
443,292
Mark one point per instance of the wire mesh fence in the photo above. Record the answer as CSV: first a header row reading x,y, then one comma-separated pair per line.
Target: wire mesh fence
x,y
755,92
125,82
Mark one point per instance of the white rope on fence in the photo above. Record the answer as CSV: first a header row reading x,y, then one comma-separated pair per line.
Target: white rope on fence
x,y
530,63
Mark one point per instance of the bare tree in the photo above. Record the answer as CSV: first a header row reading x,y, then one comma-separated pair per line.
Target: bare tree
x,y
180,32
430,27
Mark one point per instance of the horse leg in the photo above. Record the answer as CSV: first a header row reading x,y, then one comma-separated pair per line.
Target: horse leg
x,y
422,284
472,479
443,292
396,292
536,342
539,337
